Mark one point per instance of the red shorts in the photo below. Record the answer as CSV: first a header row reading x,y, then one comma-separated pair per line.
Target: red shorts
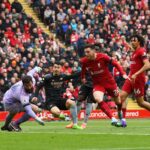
x,y
137,87
111,89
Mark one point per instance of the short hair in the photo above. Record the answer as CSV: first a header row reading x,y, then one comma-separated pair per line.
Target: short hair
x,y
87,45
56,63
140,39
26,79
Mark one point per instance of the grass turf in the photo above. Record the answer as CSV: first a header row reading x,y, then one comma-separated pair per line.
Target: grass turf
x,y
99,135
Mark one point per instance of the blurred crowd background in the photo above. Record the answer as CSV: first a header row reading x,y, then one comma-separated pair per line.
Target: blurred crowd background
x,y
107,23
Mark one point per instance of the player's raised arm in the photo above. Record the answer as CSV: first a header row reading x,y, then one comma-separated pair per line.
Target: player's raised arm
x,y
33,71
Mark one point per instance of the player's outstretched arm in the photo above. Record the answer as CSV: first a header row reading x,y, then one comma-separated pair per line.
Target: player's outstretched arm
x,y
31,113
119,68
73,76
34,70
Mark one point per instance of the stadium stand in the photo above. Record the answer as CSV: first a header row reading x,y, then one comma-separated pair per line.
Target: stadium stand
x,y
107,23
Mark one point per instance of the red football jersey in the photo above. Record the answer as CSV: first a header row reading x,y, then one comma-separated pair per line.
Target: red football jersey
x,y
136,62
98,68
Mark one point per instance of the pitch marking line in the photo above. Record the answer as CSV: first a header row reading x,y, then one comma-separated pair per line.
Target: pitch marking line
x,y
134,148
70,133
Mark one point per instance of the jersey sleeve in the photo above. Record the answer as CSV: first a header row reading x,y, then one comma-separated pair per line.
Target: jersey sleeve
x,y
142,54
31,73
29,111
118,67
106,58
114,63
73,76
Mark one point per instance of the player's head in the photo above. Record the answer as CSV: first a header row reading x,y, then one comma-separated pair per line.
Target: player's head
x,y
137,41
56,68
27,83
89,51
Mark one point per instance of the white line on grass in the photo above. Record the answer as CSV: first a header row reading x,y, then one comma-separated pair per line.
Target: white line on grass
x,y
132,148
81,133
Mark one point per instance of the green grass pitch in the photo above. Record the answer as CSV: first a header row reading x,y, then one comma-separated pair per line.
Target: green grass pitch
x,y
99,135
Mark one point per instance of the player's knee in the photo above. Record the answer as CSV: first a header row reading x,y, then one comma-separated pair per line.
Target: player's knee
x,y
98,100
98,96
123,96
70,103
55,111
35,108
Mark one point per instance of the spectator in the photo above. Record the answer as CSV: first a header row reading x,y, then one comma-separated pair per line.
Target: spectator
x,y
17,5
23,44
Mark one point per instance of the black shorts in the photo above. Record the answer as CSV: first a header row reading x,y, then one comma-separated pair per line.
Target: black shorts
x,y
86,93
60,103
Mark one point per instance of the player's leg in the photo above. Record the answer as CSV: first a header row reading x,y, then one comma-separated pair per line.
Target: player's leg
x,y
70,104
88,108
126,90
119,106
113,91
86,93
142,103
56,112
13,110
98,96
7,122
123,97
54,107
139,91
16,124
81,97
79,105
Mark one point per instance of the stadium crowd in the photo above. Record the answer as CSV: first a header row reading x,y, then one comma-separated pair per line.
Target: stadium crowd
x,y
108,23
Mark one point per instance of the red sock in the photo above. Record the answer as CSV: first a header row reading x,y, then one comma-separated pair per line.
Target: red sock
x,y
124,112
105,108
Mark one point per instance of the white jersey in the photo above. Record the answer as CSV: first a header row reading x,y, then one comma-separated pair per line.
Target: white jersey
x,y
17,92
